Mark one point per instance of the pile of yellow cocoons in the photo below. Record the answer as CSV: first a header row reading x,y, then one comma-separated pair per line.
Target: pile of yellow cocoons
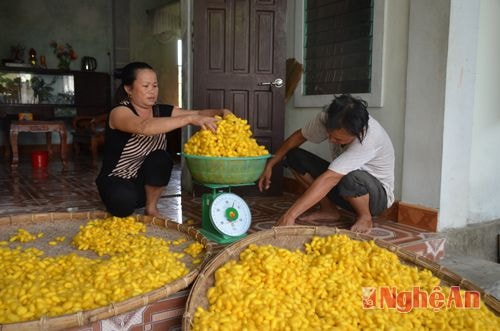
x,y
33,285
233,138
271,288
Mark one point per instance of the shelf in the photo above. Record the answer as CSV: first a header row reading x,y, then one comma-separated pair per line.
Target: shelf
x,y
38,70
44,91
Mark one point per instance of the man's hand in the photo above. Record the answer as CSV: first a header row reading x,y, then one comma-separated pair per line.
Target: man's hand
x,y
265,179
285,220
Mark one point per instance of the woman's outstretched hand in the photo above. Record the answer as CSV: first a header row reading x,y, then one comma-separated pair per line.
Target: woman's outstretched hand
x,y
226,112
206,122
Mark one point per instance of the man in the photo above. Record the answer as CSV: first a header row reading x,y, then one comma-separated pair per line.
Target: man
x,y
361,176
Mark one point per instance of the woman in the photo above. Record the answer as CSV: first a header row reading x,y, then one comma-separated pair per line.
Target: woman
x,y
136,166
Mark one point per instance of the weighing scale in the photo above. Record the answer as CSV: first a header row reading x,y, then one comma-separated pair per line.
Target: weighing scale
x,y
225,216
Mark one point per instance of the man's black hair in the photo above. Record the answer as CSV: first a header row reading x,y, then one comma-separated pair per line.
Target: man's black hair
x,y
348,113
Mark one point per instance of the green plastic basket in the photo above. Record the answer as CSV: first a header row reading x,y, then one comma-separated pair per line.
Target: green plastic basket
x,y
225,170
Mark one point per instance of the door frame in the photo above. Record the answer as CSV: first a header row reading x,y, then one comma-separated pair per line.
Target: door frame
x,y
187,89
187,61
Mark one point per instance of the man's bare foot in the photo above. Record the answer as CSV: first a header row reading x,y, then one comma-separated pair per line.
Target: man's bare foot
x,y
327,215
362,225
154,213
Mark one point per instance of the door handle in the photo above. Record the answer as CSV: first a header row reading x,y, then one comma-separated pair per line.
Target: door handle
x,y
278,82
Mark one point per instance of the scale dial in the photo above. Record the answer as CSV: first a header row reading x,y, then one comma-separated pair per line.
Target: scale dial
x,y
230,214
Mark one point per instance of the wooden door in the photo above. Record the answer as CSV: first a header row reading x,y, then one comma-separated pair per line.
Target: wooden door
x,y
237,46
92,93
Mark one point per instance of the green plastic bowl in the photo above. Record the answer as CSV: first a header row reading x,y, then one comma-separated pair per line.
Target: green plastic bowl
x,y
225,170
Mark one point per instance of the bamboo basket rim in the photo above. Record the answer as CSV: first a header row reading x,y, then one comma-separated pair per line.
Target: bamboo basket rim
x,y
305,233
83,318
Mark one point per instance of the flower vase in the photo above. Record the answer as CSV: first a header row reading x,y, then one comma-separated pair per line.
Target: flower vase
x,y
63,64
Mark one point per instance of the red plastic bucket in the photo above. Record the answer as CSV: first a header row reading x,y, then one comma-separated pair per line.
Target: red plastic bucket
x,y
39,159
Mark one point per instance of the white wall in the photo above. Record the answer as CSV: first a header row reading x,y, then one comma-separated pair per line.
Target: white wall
x,y
458,114
86,25
391,115
452,118
485,151
426,82
146,47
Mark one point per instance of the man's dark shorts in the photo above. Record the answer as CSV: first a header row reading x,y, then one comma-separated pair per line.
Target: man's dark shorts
x,y
354,184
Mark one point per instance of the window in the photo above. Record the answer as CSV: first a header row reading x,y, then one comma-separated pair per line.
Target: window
x,y
340,44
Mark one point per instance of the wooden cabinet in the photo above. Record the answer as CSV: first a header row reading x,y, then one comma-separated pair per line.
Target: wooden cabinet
x,y
92,92
50,93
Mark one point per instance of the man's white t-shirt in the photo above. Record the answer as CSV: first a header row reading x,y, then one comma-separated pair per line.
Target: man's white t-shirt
x,y
375,154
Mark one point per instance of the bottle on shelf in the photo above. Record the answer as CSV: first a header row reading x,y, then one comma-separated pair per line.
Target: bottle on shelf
x,y
33,60
43,64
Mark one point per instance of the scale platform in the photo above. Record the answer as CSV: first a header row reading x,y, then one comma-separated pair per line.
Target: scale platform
x,y
225,216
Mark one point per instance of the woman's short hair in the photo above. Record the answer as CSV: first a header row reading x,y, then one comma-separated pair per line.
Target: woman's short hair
x,y
348,113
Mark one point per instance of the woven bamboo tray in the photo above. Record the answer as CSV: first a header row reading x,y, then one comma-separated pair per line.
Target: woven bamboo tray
x,y
294,237
67,224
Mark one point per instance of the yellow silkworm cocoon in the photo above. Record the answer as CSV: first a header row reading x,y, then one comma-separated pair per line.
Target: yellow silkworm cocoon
x,y
179,241
271,288
33,285
233,138
194,249
24,236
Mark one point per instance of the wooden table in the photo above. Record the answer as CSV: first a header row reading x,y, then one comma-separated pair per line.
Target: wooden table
x,y
38,126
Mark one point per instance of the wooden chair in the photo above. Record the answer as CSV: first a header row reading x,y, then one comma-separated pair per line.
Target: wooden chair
x,y
89,131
